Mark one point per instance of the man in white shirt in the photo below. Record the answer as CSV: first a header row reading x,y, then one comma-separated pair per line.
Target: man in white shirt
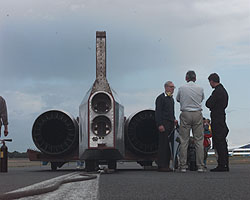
x,y
190,97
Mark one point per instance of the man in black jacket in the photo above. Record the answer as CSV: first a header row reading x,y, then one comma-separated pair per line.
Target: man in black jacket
x,y
165,121
217,104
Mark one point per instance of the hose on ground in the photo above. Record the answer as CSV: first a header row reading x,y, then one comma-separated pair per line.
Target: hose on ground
x,y
39,191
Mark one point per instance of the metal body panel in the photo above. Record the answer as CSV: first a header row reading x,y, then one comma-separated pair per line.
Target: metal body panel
x,y
89,140
101,116
83,127
119,127
108,140
101,83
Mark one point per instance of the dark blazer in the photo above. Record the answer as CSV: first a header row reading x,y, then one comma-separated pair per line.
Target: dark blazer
x,y
164,109
218,102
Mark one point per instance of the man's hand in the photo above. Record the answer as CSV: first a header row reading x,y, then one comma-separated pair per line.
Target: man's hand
x,y
175,122
6,131
161,128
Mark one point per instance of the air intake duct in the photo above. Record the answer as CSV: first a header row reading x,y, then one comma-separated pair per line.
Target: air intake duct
x,y
56,132
141,134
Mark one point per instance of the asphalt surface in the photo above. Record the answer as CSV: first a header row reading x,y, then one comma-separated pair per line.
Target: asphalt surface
x,y
131,181
141,184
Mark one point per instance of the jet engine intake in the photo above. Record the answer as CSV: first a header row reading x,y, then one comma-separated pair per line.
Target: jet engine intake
x,y
141,134
55,133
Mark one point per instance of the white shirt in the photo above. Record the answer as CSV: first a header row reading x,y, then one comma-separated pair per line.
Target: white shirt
x,y
190,97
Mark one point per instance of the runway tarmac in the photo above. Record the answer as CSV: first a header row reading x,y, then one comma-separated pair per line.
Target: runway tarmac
x,y
141,184
131,181
18,177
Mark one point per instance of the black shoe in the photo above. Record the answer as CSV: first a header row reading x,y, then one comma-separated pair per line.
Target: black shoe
x,y
220,169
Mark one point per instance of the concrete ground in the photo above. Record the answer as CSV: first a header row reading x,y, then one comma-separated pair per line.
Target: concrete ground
x,y
131,181
141,184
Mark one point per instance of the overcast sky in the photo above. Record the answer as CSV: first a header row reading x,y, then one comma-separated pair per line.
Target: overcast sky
x,y
47,55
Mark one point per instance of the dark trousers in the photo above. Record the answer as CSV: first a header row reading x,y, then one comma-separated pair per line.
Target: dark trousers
x,y
164,152
219,134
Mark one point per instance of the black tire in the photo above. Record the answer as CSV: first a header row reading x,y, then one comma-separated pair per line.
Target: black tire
x,y
145,163
193,166
53,166
112,164
90,165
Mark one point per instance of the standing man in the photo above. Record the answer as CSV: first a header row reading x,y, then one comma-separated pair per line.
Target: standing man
x,y
165,121
190,97
3,116
217,104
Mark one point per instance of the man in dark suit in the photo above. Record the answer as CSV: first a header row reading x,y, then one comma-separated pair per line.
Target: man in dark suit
x,y
217,104
165,121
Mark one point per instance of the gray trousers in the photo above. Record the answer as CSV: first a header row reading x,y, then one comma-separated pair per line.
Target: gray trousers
x,y
194,121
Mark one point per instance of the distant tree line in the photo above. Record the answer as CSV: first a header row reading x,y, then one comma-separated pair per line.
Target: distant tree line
x,y
16,154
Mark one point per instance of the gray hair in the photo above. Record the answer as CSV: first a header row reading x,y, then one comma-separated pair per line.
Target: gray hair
x,y
167,83
190,76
